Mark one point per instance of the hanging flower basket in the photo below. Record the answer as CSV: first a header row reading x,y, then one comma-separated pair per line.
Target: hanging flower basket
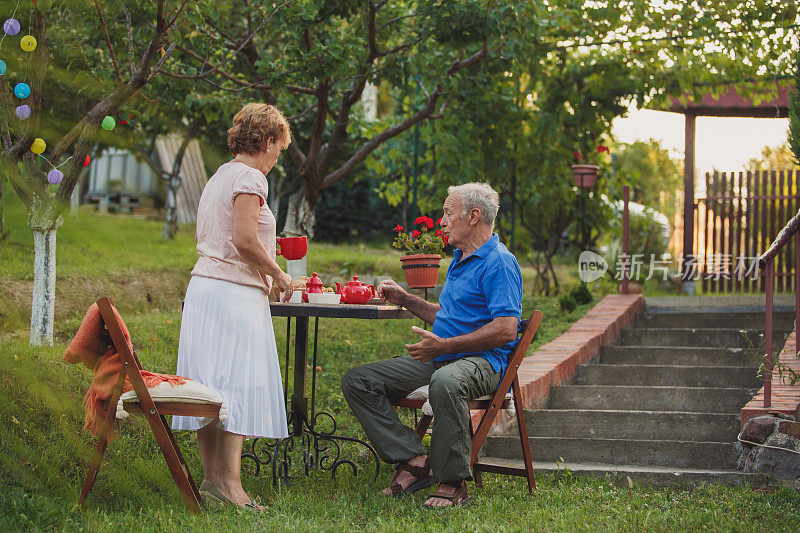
x,y
584,175
421,270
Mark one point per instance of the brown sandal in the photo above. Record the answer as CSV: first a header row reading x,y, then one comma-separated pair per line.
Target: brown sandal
x,y
424,475
458,498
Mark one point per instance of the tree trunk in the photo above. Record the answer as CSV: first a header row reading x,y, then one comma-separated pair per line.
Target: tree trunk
x,y
277,186
44,287
171,219
300,217
405,202
274,204
2,213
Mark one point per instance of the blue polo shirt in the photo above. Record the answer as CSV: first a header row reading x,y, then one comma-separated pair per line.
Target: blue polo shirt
x,y
483,286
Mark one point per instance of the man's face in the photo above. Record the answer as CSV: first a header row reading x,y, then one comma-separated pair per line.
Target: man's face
x,y
454,225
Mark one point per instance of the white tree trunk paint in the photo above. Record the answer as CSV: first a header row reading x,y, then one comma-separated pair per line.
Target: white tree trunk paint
x,y
74,200
171,218
44,287
296,268
300,217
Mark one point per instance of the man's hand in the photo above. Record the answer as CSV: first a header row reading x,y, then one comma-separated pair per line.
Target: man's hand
x,y
429,348
389,291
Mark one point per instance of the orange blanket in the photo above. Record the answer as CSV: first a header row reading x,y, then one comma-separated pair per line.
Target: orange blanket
x,y
94,348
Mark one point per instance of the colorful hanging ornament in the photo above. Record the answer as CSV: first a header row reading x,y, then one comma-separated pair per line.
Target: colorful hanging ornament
x,y
109,123
11,26
86,163
22,90
55,176
23,111
38,145
28,43
2,67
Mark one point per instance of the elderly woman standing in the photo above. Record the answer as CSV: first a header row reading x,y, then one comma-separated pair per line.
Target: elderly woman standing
x,y
227,341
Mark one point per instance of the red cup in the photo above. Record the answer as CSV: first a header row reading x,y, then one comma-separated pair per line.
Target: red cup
x,y
292,248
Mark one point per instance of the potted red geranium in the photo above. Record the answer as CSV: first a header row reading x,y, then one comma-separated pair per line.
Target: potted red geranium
x,y
583,173
423,249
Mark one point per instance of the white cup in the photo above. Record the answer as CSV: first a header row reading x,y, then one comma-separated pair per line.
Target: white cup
x,y
297,297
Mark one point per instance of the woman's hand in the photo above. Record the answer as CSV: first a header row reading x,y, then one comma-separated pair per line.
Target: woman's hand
x,y
284,282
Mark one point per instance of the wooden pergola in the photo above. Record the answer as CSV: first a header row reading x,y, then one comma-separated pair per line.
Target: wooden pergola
x,y
729,104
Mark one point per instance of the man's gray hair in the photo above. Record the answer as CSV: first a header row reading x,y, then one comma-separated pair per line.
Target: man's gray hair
x,y
478,196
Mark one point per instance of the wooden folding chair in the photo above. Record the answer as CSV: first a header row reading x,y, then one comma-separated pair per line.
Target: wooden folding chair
x,y
491,405
154,411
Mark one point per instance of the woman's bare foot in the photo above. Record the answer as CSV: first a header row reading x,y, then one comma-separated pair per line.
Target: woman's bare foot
x,y
234,492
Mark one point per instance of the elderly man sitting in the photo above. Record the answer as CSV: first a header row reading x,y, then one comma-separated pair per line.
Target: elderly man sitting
x,y
474,330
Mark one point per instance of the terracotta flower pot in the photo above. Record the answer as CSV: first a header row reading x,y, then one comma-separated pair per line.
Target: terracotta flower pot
x,y
584,175
421,270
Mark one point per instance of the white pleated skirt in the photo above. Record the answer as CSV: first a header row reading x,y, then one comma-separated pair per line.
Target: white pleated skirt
x,y
227,343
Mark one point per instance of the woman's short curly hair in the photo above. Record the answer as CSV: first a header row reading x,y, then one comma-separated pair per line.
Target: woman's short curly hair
x,y
254,125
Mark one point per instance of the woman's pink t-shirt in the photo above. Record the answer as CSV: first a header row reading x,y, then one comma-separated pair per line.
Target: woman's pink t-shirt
x,y
219,258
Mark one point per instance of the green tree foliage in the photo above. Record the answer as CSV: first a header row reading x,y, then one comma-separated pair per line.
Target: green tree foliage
x,y
317,58
556,90
655,177
774,158
89,63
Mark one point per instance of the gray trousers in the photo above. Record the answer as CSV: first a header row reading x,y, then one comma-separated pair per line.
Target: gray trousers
x,y
367,390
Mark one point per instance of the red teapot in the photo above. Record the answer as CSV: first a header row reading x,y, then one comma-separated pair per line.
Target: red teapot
x,y
314,285
355,292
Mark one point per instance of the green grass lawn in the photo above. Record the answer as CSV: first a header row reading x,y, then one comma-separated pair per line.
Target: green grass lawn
x,y
45,450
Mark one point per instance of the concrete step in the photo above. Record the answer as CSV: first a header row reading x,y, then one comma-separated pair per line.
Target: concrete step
x,y
633,398
654,476
672,453
752,320
660,355
662,375
648,425
714,338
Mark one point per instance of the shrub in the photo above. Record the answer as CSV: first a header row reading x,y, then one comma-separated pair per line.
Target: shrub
x,y
581,294
567,303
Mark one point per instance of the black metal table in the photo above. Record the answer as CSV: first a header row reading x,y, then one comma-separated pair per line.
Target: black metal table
x,y
321,449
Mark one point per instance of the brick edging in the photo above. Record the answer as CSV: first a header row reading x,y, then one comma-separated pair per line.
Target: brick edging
x,y
557,361
785,398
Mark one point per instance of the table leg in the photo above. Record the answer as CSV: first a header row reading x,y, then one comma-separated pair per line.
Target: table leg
x,y
312,414
286,364
299,400
320,449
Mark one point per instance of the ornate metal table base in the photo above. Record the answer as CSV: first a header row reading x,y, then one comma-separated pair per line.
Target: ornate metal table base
x,y
319,451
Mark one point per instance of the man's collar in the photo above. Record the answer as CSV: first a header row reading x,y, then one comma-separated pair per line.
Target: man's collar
x,y
482,251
